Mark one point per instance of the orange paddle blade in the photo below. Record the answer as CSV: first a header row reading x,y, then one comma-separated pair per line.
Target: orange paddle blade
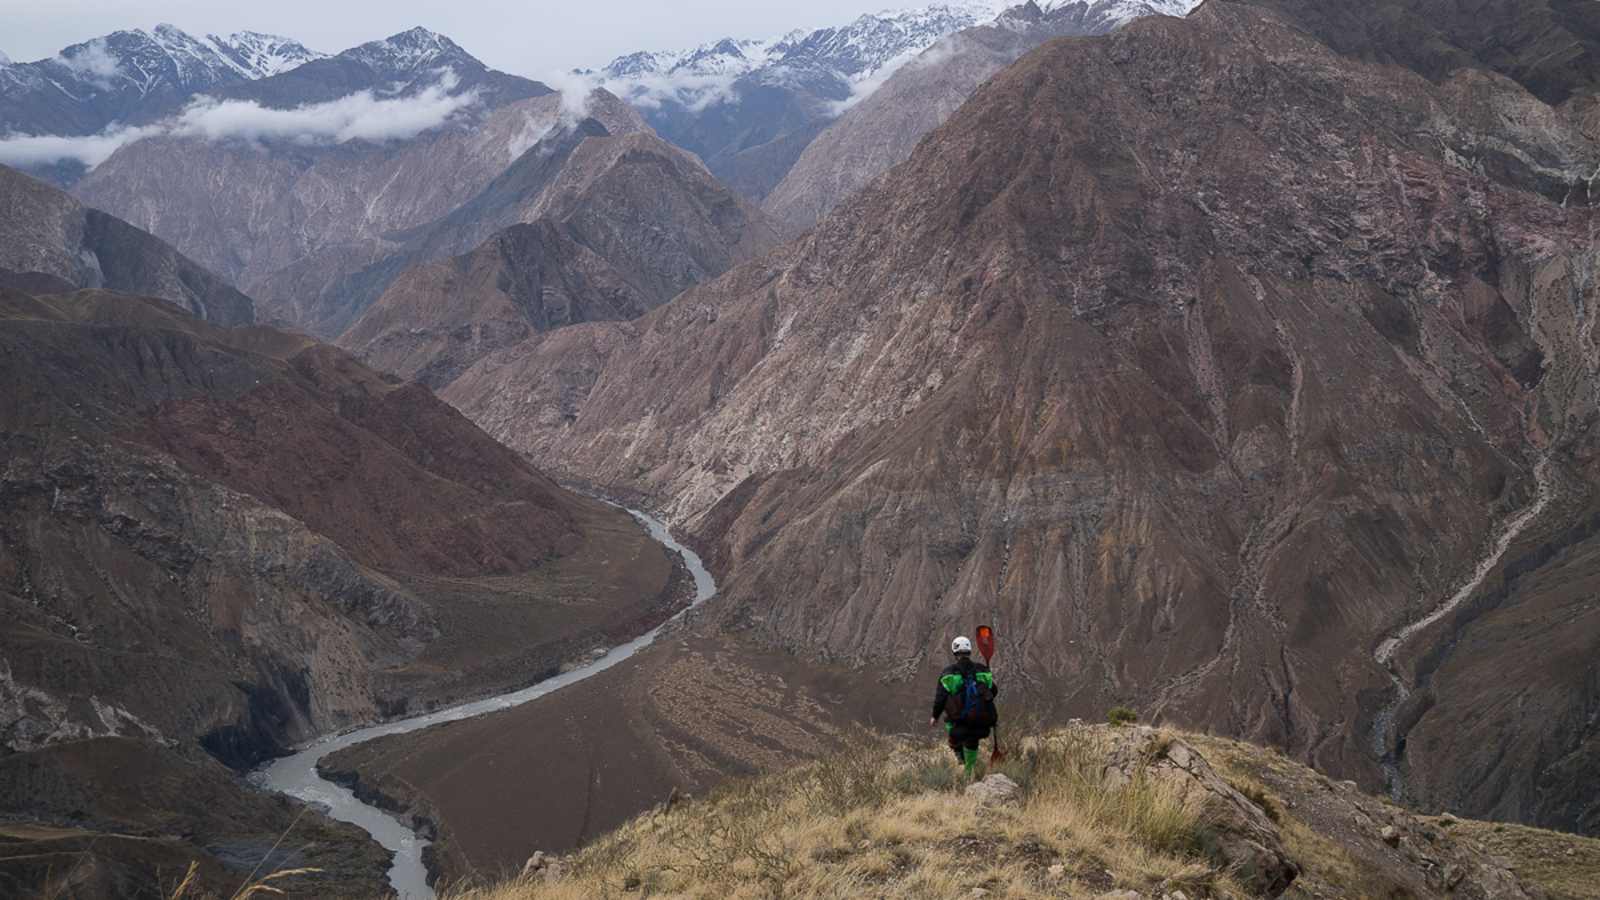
x,y
985,639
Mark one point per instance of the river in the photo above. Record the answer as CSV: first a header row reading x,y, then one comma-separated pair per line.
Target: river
x,y
297,775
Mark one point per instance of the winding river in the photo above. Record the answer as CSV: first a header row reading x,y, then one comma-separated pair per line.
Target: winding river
x,y
297,775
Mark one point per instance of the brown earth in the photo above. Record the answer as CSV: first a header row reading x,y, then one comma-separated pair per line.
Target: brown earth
x,y
238,540
1200,358
557,773
129,816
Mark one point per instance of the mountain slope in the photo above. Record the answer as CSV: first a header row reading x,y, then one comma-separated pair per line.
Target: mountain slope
x,y
294,225
49,242
1199,356
237,540
883,129
1547,46
620,225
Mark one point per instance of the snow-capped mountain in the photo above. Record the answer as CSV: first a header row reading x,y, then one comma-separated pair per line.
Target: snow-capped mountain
x,y
410,51
133,77
849,54
1099,16
4,59
63,115
749,107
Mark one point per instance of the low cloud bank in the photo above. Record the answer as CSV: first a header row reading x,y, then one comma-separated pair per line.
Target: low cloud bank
x,y
694,92
360,116
30,150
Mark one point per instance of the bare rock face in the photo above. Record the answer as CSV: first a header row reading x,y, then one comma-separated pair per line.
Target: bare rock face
x,y
1202,358
50,241
293,225
883,129
620,225
1238,835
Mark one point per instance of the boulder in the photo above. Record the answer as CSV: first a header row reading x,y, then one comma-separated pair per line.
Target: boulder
x,y
1237,834
993,791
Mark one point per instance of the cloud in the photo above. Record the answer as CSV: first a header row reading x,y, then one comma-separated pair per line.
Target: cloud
x,y
575,89
28,150
528,137
94,62
696,92
868,83
359,116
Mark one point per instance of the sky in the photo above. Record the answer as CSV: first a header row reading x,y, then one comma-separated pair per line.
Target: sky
x,y
532,38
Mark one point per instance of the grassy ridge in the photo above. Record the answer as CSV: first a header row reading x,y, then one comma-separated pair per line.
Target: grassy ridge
x,y
892,821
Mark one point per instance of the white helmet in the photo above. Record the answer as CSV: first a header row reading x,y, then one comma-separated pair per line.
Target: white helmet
x,y
960,645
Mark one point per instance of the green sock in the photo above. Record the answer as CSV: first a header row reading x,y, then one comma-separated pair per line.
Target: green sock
x,y
970,756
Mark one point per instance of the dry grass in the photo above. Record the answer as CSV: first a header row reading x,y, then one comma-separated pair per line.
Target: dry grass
x,y
254,887
892,822
1565,866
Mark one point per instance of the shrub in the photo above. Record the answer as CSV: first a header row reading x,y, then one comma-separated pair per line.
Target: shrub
x,y
1121,715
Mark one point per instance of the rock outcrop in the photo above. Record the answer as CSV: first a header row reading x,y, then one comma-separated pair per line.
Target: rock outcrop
x,y
1237,834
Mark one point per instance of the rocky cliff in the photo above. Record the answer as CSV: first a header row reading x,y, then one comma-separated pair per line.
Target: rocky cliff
x,y
293,225
881,130
620,223
49,241
1231,374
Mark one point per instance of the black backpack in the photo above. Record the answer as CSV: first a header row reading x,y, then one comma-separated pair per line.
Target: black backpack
x,y
971,703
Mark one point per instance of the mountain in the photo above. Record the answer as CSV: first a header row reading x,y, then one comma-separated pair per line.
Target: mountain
x,y
290,218
51,243
617,225
401,65
248,88
134,77
883,129
748,107
224,542
1242,380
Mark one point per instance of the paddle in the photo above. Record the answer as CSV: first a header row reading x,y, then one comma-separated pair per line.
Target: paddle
x,y
985,639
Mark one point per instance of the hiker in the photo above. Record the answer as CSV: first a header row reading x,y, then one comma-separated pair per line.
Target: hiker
x,y
965,696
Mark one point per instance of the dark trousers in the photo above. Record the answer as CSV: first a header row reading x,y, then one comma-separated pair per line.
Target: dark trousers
x,y
966,737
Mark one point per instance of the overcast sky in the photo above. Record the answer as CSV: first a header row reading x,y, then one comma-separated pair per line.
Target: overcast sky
x,y
532,37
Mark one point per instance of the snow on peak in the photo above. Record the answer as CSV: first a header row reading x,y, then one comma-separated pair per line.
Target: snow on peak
x,y
165,58
256,55
843,57
1113,14
4,59
409,51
